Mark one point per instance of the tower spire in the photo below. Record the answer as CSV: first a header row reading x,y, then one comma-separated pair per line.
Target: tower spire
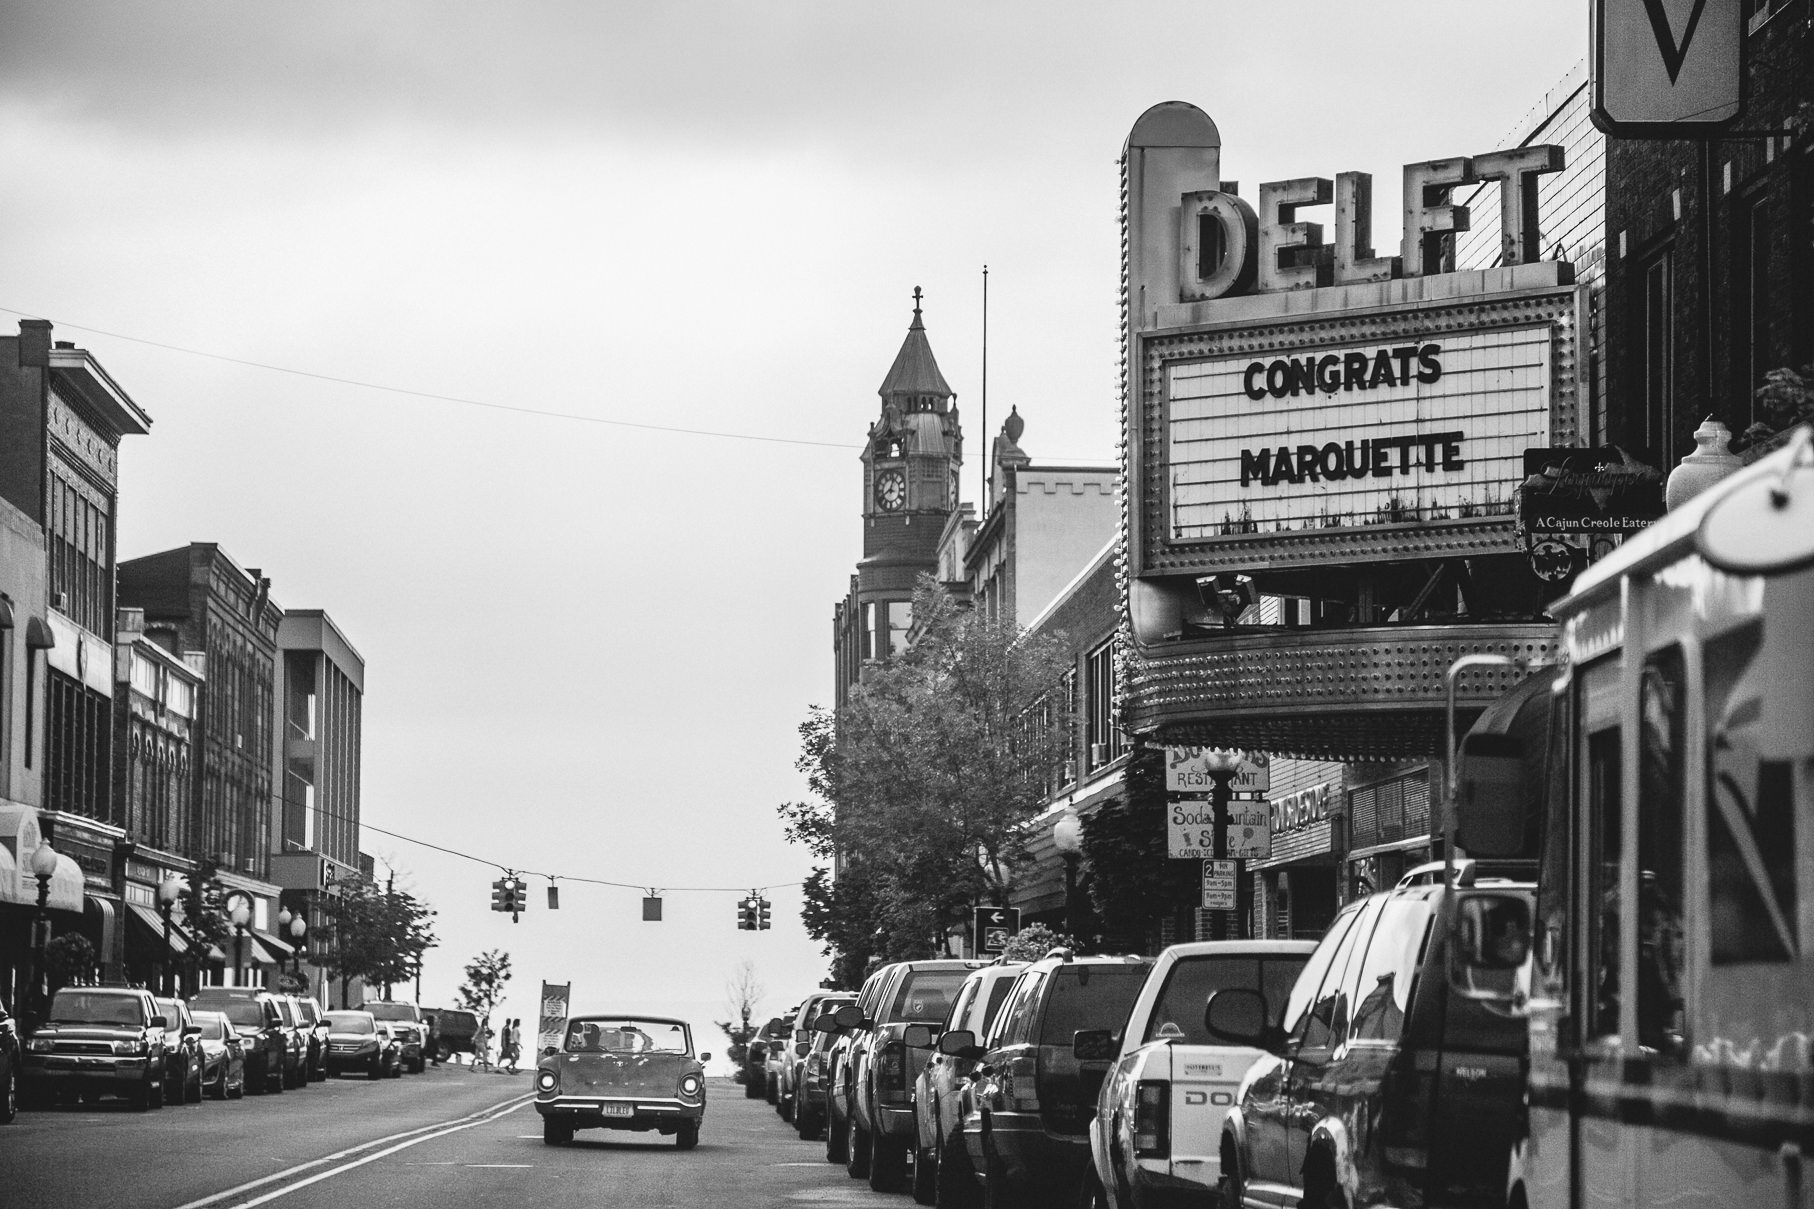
x,y
917,325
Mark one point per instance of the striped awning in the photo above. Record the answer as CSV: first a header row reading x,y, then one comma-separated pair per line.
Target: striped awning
x,y
179,942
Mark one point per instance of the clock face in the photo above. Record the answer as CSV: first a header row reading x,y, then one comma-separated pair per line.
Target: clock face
x,y
891,490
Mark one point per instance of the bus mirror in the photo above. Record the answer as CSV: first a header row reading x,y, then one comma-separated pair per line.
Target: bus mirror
x,y
1489,799
1492,932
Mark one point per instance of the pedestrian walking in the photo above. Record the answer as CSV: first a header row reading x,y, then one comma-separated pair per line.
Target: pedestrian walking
x,y
481,1047
513,1043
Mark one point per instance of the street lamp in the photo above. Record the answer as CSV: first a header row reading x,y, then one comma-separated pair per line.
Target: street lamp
x,y
1067,837
168,891
1222,764
299,928
240,916
43,866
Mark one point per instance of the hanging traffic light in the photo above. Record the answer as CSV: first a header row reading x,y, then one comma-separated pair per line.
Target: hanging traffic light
x,y
519,897
746,914
500,894
762,914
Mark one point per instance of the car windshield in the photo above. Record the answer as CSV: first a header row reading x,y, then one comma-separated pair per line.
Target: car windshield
x,y
349,1022
1178,1012
627,1036
211,1024
171,1010
1090,997
88,1007
241,1011
925,996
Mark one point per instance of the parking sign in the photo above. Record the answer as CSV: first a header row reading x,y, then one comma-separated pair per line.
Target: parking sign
x,y
992,927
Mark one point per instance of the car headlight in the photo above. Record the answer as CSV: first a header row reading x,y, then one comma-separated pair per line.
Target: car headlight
x,y
41,1045
690,1085
545,1080
141,1046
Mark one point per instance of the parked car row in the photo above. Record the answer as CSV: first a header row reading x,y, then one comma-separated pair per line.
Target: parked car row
x,y
1358,1069
219,1043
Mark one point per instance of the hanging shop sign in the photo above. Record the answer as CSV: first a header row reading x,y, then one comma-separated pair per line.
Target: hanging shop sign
x,y
1299,810
1187,771
1668,70
1191,830
1355,434
1219,879
1587,493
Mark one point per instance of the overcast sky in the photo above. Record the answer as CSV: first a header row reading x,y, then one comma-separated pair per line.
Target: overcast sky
x,y
588,645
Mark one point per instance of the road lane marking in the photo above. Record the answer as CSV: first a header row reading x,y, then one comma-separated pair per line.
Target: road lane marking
x,y
524,1166
425,1132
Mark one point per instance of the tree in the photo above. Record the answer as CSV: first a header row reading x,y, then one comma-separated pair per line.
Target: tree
x,y
1131,883
1035,941
377,935
743,994
926,781
486,976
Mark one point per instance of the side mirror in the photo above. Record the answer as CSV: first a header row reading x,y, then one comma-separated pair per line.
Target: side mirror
x,y
160,1022
706,1057
920,1036
1093,1045
548,1051
801,1048
848,1017
825,1024
193,1030
1239,1015
1492,935
960,1043
1489,799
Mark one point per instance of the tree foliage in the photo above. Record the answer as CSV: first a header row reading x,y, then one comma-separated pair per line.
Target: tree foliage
x,y
743,995
925,783
1035,941
486,977
1130,880
374,934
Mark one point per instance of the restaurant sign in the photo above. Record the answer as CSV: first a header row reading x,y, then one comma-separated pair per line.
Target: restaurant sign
x,y
1187,771
1299,810
1587,493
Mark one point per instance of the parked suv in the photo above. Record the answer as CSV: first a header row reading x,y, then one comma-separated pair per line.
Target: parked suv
x,y
315,1035
815,1076
1374,1033
182,1053
454,1030
98,1039
411,1040
9,1067
270,1044
1026,1134
876,1080
794,1052
296,1053
837,1050
1155,1139
939,1094
778,1045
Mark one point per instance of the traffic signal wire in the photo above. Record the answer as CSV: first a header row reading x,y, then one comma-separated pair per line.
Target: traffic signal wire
x,y
509,871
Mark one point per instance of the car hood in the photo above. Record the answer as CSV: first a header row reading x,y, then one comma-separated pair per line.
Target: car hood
x,y
655,1074
93,1032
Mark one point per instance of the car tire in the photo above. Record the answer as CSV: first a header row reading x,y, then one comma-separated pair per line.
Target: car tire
x,y
856,1149
805,1124
887,1163
1230,1188
924,1186
752,1087
996,1192
771,1091
193,1094
836,1141
954,1178
687,1136
9,1096
377,1070
173,1089
236,1091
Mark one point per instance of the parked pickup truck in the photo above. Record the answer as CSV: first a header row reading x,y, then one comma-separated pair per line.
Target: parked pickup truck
x,y
1169,1069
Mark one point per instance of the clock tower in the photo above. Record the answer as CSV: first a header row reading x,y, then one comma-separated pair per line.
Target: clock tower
x,y
911,463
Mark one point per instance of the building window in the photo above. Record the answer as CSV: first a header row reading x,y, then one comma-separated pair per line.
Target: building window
x,y
900,620
80,573
1656,353
79,738
1105,739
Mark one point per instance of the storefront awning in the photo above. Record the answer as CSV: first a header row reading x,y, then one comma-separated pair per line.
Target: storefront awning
x,y
19,837
146,920
265,949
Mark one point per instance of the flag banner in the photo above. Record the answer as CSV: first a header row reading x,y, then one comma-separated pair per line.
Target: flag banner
x,y
555,998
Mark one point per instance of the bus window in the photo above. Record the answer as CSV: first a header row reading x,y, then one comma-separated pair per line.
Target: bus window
x,y
1751,841
1660,853
1603,836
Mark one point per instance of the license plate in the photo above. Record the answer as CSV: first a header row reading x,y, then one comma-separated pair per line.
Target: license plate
x,y
617,1110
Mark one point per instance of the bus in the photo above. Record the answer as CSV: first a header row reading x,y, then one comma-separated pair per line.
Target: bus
x,y
1669,987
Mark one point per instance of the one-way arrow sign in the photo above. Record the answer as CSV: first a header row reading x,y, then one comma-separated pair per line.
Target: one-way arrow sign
x,y
991,927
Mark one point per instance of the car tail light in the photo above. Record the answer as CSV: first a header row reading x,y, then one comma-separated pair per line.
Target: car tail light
x,y
1020,1084
1153,1119
891,1068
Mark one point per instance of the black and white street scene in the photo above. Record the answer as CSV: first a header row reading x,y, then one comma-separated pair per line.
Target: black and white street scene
x,y
816,604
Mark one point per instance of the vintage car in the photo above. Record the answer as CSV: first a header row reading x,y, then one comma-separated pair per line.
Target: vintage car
x,y
622,1072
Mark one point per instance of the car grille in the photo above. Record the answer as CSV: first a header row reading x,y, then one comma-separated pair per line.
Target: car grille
x,y
84,1047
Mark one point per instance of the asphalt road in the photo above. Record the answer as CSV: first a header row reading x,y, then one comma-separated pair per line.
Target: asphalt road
x,y
450,1138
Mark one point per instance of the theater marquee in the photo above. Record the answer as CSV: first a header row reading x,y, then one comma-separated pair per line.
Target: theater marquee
x,y
1382,431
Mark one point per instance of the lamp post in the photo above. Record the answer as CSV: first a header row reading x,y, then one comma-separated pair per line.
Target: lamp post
x,y
1222,764
1067,837
299,929
43,866
240,916
168,891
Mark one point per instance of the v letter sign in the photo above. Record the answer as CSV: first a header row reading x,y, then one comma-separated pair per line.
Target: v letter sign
x,y
1672,53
